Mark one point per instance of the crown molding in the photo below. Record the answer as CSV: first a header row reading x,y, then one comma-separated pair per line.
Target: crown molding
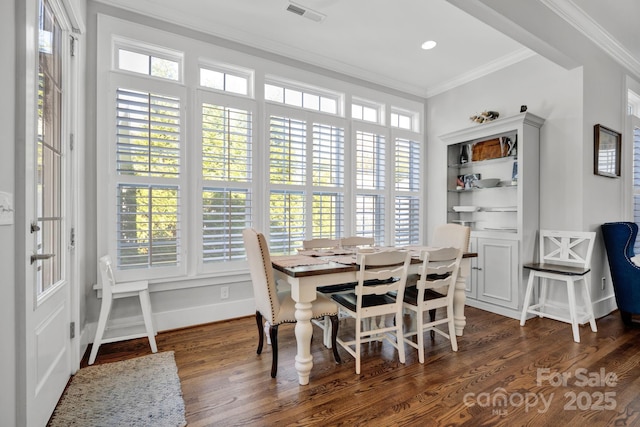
x,y
486,69
581,21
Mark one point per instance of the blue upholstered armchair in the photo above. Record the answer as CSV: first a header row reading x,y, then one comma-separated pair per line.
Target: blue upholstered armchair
x,y
619,238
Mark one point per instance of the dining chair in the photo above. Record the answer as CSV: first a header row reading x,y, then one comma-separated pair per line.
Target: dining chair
x,y
278,307
353,241
564,256
320,243
449,236
439,270
111,291
347,242
389,269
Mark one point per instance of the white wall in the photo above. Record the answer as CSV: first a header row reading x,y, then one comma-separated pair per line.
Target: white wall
x,y
7,232
571,101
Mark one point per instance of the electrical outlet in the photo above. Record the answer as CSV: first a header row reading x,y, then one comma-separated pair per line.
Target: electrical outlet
x,y
224,292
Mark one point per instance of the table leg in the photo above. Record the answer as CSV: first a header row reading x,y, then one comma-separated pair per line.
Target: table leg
x,y
459,296
303,330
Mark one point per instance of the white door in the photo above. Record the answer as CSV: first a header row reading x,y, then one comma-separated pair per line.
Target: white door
x,y
48,186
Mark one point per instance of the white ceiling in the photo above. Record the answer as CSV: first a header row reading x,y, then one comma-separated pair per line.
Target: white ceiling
x,y
379,40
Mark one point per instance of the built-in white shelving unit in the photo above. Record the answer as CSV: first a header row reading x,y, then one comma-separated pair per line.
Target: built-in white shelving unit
x,y
504,219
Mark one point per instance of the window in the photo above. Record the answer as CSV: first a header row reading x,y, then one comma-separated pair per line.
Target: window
x,y
50,150
148,139
403,119
304,98
407,186
636,178
367,111
370,184
148,64
226,174
231,81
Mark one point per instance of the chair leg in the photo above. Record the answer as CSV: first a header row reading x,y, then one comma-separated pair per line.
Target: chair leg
x,y
588,305
105,309
452,329
572,310
626,318
273,333
357,343
527,299
400,336
145,303
432,317
420,333
334,334
260,332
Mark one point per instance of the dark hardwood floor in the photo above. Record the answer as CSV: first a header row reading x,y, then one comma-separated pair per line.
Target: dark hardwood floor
x,y
502,375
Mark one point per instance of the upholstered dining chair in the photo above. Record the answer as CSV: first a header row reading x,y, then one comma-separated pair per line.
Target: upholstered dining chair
x,y
112,290
564,256
439,270
619,240
449,236
278,307
368,301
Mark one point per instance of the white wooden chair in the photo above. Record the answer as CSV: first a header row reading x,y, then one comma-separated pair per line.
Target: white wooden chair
x,y
564,256
389,269
354,241
439,271
320,243
112,290
278,307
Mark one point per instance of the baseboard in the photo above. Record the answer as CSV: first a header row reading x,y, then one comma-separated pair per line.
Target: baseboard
x,y
176,319
503,311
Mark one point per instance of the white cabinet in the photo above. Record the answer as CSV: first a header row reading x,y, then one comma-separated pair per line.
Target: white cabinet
x,y
504,218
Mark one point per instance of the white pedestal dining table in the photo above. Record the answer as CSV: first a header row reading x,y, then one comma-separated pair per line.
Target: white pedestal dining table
x,y
309,274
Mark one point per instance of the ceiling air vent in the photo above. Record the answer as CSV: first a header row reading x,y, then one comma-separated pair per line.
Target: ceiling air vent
x,y
306,12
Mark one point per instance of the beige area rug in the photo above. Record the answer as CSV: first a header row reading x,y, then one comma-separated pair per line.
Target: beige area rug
x,y
144,391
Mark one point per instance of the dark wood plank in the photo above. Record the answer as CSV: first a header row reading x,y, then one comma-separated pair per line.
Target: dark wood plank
x,y
225,383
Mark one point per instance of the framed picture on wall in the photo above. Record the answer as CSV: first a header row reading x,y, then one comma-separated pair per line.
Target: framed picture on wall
x,y
606,151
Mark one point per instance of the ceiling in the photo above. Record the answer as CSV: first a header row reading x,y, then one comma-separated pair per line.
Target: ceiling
x,y
379,40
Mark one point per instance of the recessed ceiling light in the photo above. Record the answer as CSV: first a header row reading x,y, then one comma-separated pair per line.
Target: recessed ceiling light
x,y
429,45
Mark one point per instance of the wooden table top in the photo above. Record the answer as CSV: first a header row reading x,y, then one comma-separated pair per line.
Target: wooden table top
x,y
331,267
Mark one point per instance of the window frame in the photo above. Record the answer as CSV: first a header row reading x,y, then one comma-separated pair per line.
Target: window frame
x,y
227,101
167,88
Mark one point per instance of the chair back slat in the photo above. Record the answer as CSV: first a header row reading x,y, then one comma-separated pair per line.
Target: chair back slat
x,y
567,247
387,267
320,243
357,241
439,268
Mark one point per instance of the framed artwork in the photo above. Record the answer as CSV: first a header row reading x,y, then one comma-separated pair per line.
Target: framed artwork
x,y
606,151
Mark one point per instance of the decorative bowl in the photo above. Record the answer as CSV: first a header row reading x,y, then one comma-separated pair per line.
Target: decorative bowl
x,y
487,182
465,208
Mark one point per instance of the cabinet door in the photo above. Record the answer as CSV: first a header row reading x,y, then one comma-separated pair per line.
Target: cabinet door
x,y
497,273
471,283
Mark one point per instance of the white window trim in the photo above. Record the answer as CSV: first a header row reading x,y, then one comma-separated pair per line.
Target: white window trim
x,y
146,49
